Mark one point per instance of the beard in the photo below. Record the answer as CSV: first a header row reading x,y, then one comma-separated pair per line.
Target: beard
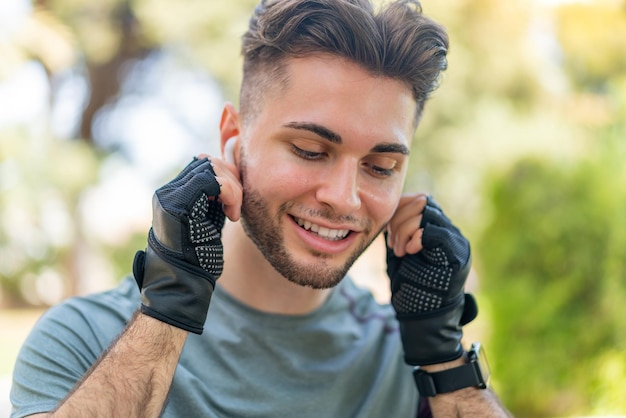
x,y
264,229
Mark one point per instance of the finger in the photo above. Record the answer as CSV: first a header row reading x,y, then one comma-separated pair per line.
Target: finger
x,y
197,165
409,208
410,205
179,196
414,198
227,177
231,195
433,214
231,189
405,233
415,244
450,239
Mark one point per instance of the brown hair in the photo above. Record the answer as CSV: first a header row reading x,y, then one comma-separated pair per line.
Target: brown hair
x,y
397,41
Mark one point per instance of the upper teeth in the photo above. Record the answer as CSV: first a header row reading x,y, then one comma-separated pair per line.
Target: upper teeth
x,y
332,234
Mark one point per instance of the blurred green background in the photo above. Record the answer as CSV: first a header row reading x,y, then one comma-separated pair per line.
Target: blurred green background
x,y
523,144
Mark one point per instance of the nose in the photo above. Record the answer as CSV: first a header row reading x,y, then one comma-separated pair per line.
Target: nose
x,y
339,188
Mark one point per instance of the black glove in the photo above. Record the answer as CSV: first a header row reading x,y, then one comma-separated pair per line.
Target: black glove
x,y
427,291
184,257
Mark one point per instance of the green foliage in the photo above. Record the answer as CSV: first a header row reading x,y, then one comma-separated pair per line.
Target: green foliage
x,y
489,97
41,181
552,266
209,30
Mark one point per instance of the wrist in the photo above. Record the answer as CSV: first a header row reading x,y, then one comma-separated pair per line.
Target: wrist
x,y
157,326
469,370
173,291
432,340
437,367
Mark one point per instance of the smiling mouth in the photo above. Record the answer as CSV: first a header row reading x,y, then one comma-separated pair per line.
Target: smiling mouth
x,y
323,232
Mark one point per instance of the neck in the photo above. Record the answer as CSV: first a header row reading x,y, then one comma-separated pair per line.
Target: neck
x,y
251,279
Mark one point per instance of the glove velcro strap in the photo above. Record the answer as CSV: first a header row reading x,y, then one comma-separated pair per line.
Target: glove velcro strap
x,y
175,295
434,337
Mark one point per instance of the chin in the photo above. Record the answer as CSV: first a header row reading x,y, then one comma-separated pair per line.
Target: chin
x,y
315,275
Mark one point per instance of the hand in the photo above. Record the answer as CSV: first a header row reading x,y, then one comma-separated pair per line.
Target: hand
x,y
184,256
428,261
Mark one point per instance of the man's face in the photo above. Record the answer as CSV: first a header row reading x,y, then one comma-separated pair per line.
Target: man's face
x,y
322,166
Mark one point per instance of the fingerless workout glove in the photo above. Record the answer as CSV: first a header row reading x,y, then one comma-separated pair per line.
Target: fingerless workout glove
x,y
184,256
427,291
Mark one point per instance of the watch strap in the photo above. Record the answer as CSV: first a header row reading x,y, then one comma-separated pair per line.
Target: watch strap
x,y
450,380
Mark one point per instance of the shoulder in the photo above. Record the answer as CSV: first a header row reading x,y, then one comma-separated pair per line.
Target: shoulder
x,y
95,318
65,342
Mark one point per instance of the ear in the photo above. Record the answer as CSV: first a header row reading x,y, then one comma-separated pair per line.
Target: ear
x,y
229,124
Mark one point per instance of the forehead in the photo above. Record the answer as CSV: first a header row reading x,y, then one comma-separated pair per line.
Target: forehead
x,y
344,97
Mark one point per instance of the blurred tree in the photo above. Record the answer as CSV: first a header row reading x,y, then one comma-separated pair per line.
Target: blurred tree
x,y
108,37
209,30
491,99
552,267
111,35
551,254
40,187
101,41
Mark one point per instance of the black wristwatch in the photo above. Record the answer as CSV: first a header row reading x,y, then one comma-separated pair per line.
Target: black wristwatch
x,y
475,373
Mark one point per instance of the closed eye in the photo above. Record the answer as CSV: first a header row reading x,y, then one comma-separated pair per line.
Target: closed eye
x,y
306,154
381,167
381,172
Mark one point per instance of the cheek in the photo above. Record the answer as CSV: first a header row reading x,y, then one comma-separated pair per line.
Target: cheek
x,y
382,203
275,177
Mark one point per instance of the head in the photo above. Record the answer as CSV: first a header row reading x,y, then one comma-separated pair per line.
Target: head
x,y
331,96
397,42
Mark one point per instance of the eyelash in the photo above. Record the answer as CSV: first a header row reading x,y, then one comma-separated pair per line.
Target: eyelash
x,y
314,156
307,155
381,172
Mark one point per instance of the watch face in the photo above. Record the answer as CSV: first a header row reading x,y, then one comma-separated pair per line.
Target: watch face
x,y
479,359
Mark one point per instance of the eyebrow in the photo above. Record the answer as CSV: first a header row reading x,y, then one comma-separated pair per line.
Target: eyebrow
x,y
335,138
391,147
325,133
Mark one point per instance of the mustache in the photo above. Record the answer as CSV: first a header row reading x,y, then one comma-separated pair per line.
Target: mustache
x,y
325,213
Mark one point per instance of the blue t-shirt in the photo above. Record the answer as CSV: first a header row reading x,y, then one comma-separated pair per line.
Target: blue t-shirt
x,y
342,360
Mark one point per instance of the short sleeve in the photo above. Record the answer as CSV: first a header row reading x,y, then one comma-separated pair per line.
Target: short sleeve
x,y
63,345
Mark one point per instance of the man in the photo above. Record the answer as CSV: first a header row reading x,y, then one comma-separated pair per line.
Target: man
x,y
312,171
